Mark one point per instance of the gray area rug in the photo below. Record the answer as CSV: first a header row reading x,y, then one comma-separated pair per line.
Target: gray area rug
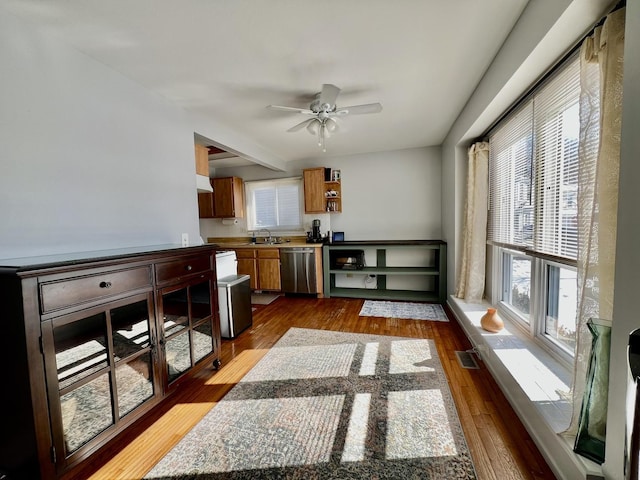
x,y
330,405
410,310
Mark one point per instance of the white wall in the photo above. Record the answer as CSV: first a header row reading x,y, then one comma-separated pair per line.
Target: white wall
x,y
391,195
89,160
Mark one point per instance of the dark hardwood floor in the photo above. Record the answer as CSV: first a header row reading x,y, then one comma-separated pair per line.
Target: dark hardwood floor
x,y
500,446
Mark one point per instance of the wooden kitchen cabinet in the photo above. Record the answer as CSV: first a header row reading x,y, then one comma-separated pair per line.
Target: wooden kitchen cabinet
x,y
262,265
205,199
202,160
316,191
228,197
248,265
269,269
205,205
94,343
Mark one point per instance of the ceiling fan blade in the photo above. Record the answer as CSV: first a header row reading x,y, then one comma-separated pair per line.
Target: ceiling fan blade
x,y
329,94
306,111
301,125
360,109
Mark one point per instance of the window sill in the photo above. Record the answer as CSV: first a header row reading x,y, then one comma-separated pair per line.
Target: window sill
x,y
535,384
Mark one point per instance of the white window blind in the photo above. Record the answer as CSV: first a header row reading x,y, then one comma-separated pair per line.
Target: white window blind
x,y
510,180
557,124
274,204
533,158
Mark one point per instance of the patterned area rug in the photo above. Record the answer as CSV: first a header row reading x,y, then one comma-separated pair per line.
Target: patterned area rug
x,y
414,311
330,405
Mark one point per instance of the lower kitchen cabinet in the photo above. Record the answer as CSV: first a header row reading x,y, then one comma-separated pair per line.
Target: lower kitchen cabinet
x,y
94,344
269,269
262,265
248,265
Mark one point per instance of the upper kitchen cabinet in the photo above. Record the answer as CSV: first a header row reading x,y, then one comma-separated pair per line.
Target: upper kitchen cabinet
x,y
228,197
202,169
202,160
321,195
205,205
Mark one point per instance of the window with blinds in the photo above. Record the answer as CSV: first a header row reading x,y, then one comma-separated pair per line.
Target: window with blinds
x,y
274,204
533,165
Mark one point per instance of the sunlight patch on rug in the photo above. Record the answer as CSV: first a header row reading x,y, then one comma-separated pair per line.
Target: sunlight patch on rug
x,y
326,404
408,310
418,425
405,353
313,361
284,432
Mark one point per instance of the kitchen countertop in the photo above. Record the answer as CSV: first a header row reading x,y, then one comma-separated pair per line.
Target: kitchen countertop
x,y
238,243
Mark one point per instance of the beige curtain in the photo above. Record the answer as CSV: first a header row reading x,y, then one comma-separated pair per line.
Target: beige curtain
x,y
599,157
471,276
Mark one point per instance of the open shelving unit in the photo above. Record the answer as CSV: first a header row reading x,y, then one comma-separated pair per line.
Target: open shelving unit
x,y
383,270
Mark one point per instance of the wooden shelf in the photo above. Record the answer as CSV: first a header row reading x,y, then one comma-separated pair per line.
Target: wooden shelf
x,y
376,294
437,271
389,271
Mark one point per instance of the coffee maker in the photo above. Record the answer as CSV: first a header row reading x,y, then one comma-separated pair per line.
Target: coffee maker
x,y
314,236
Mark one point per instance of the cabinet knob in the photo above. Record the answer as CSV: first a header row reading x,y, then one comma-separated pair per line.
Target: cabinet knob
x,y
105,284
188,268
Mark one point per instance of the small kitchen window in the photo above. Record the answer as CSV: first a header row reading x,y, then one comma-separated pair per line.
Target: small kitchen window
x,y
275,205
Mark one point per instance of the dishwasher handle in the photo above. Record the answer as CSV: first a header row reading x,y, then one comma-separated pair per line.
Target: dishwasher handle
x,y
291,251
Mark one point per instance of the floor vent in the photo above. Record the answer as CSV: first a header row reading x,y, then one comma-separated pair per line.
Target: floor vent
x,y
467,360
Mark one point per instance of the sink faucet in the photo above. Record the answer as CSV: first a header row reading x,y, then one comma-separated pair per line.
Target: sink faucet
x,y
268,239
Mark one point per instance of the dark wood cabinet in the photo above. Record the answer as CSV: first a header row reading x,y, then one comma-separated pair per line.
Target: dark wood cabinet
x,y
205,205
91,344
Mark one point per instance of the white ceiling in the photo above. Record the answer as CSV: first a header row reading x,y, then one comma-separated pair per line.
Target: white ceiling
x,y
228,60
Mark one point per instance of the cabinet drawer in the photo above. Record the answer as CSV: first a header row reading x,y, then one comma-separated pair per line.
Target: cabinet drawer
x,y
246,253
179,268
74,291
269,253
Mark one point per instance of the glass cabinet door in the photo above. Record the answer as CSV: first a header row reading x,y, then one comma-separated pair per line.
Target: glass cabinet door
x,y
132,352
82,363
100,368
203,342
187,316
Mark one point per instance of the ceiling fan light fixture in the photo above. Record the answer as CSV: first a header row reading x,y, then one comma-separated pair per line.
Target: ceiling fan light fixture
x,y
331,125
313,127
322,110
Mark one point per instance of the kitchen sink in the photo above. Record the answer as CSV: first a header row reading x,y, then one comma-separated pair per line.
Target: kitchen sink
x,y
265,243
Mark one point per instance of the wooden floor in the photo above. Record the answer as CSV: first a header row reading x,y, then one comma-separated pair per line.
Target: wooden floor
x,y
500,446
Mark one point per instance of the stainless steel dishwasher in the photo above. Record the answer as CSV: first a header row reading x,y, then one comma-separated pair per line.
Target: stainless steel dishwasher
x,y
298,270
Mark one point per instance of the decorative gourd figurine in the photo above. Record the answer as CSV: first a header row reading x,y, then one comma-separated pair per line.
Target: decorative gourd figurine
x,y
491,321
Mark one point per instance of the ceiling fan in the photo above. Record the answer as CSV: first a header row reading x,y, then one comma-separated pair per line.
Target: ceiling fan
x,y
324,111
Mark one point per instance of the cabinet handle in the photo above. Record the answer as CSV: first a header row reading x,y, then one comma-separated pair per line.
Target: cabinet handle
x,y
105,284
188,268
